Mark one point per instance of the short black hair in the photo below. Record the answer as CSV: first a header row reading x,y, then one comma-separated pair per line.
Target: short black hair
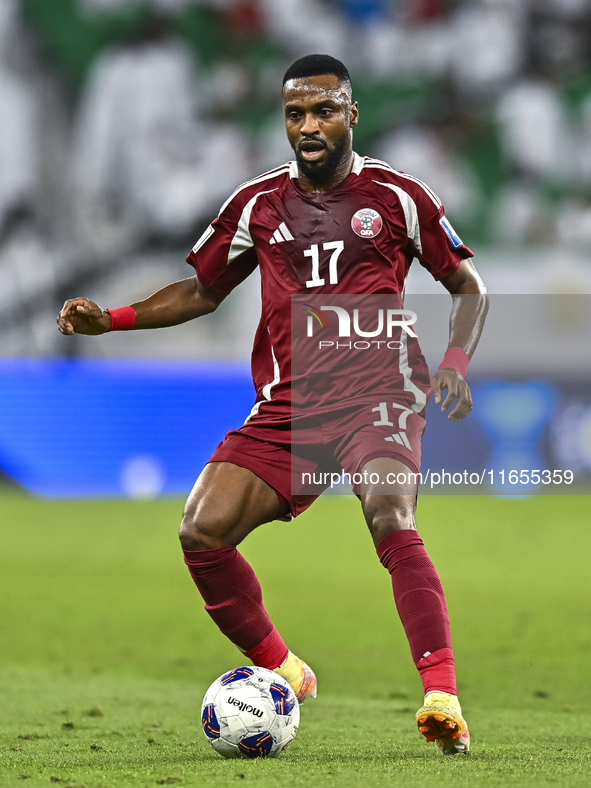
x,y
315,65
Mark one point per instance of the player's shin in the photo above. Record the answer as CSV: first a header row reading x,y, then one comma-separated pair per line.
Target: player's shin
x,y
233,598
422,608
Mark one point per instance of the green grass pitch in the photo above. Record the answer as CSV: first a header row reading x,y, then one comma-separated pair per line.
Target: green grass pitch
x,y
105,650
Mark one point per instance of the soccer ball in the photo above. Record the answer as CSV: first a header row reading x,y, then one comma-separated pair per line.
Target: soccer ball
x,y
250,713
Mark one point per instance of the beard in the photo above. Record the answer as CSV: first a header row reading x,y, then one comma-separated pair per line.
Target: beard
x,y
320,172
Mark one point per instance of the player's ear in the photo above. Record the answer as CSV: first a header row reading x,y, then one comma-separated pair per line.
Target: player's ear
x,y
354,114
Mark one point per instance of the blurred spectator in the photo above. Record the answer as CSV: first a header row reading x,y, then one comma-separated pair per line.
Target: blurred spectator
x,y
540,138
425,154
304,26
534,128
146,165
19,165
488,46
102,6
244,18
564,8
583,144
418,11
28,276
521,216
538,145
27,269
573,224
363,12
153,111
413,45
106,6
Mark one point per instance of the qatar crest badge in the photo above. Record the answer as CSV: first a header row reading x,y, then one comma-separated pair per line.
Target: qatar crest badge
x,y
366,223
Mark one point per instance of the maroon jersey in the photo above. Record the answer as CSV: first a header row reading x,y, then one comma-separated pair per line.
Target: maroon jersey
x,y
359,238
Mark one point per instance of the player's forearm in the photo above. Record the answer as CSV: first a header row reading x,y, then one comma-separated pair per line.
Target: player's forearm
x,y
175,304
170,306
470,305
466,321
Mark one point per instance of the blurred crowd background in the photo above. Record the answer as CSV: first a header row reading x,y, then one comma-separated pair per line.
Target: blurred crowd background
x,y
125,124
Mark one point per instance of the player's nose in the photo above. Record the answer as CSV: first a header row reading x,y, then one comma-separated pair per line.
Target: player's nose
x,y
309,125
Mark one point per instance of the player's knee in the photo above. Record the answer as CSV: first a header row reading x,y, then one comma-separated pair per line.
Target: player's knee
x,y
384,514
203,529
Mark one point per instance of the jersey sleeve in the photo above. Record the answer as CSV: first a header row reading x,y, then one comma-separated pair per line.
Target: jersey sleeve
x,y
224,256
438,247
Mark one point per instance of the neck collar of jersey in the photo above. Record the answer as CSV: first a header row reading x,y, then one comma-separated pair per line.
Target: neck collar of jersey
x,y
358,164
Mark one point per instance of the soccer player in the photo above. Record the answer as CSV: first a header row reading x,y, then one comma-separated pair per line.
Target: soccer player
x,y
330,223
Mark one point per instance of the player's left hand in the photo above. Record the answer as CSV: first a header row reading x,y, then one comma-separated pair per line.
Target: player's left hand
x,y
457,388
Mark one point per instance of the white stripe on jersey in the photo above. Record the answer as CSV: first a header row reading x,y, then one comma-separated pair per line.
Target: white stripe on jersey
x,y
411,216
358,163
242,239
266,390
209,232
382,165
284,229
406,372
264,177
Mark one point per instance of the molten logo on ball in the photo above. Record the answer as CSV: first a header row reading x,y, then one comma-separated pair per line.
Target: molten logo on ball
x,y
366,222
250,712
245,707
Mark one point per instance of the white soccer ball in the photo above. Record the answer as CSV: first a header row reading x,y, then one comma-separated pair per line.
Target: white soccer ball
x,y
250,713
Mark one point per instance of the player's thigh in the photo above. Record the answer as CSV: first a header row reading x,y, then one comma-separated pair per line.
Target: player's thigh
x,y
388,495
225,505
383,459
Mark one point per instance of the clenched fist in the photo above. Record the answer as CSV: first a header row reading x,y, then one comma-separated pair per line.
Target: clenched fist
x,y
82,316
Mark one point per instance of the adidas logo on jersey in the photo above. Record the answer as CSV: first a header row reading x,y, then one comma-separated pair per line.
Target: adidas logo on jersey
x,y
281,234
401,438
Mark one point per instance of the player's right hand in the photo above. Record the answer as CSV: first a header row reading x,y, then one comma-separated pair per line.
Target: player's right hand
x,y
82,316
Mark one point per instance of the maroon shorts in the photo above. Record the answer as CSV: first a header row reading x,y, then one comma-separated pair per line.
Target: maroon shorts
x,y
345,441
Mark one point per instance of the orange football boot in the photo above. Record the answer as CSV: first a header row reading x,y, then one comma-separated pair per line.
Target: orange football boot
x,y
440,720
299,675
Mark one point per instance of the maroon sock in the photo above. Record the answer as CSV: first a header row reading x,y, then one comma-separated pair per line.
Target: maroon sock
x,y
422,608
233,598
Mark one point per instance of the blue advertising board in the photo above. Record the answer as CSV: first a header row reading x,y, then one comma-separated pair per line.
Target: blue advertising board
x,y
146,428
104,428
